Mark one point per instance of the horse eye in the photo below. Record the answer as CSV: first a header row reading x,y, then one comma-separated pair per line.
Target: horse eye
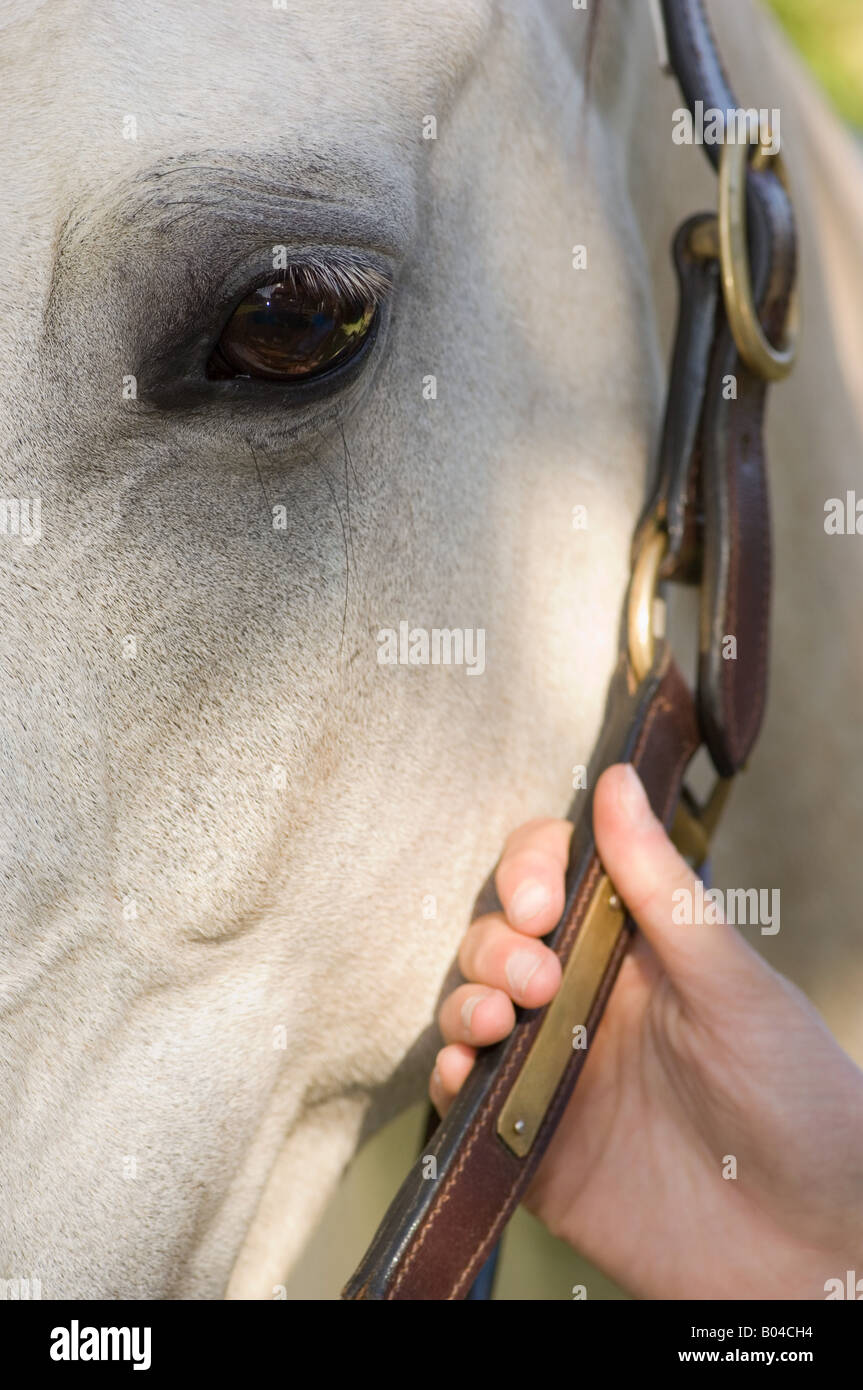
x,y
291,333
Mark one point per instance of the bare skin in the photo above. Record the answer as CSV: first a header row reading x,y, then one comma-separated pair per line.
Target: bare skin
x,y
704,1052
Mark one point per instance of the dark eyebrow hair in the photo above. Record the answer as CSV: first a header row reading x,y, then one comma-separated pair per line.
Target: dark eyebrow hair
x,y
189,218
248,187
245,189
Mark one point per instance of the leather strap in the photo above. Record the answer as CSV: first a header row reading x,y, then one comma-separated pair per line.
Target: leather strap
x,y
710,503
675,501
716,501
736,572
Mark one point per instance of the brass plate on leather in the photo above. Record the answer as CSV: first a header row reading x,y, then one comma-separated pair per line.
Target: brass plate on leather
x,y
525,1107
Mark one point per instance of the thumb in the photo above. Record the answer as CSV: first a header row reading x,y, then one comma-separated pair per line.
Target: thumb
x,y
650,876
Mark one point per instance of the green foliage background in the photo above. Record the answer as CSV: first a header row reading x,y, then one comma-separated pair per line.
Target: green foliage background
x,y
829,34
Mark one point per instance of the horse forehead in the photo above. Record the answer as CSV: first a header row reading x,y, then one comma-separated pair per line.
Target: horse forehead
x,y
323,55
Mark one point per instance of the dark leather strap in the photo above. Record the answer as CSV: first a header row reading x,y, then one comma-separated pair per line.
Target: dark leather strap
x,y
711,493
717,501
711,502
675,500
695,61
736,571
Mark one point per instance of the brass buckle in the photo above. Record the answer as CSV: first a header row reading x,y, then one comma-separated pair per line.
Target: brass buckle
x,y
694,825
641,614
771,363
726,240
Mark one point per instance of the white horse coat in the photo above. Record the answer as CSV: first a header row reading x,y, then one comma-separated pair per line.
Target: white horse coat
x,y
237,852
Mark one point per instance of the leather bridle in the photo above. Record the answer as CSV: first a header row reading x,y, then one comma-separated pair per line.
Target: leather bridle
x,y
707,524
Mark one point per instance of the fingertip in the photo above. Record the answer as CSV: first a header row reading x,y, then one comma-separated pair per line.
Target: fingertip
x,y
530,875
530,908
476,1015
657,884
621,804
533,976
452,1067
491,1019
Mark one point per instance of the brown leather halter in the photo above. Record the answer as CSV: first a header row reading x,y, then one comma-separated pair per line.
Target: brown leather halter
x,y
707,523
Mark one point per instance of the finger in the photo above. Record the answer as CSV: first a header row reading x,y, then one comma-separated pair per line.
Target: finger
x,y
475,1014
495,955
453,1066
529,877
656,882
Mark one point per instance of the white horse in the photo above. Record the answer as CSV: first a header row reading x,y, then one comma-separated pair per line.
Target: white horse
x,y
238,852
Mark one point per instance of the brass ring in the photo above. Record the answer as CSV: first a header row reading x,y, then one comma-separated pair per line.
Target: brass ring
x,y
759,354
642,596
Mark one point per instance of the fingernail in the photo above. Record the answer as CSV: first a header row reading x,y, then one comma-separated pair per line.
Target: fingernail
x,y
521,968
528,900
467,1009
436,1081
633,798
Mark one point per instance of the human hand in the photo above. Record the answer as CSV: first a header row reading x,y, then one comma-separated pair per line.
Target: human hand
x,y
704,1054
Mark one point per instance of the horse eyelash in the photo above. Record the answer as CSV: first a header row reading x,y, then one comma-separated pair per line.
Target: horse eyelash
x,y
336,280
